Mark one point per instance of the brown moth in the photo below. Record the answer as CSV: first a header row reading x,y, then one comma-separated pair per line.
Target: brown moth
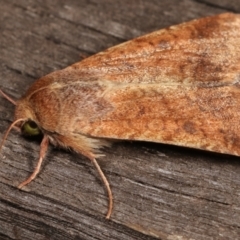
x,y
179,85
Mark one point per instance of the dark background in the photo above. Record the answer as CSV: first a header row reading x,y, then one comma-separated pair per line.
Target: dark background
x,y
160,191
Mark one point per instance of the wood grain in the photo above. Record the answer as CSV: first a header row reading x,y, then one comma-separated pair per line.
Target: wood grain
x,y
160,191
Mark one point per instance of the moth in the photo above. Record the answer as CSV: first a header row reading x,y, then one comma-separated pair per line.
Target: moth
x,y
179,85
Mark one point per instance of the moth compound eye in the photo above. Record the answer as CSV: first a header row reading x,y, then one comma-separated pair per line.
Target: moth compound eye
x,y
30,128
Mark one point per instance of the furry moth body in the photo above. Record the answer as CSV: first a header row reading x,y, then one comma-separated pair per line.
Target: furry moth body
x,y
179,85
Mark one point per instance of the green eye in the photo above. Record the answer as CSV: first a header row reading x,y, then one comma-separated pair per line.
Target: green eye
x,y
30,128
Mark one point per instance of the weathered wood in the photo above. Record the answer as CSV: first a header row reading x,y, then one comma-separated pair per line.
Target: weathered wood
x,y
159,191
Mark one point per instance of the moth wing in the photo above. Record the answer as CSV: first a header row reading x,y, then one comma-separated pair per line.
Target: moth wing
x,y
178,86
204,118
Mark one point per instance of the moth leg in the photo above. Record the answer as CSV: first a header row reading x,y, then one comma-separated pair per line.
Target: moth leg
x,y
43,150
106,183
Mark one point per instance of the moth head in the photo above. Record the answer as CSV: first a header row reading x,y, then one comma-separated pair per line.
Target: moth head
x,y
24,120
28,125
30,128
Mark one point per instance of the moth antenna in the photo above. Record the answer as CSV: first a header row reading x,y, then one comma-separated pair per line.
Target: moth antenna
x,y
106,183
8,98
9,129
43,150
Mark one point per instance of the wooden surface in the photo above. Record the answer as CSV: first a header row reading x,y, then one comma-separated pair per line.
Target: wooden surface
x,y
160,192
